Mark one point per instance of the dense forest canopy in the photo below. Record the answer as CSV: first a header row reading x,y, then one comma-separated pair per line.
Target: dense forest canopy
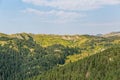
x,y
102,66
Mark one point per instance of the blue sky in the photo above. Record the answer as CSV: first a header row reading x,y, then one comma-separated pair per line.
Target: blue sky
x,y
60,16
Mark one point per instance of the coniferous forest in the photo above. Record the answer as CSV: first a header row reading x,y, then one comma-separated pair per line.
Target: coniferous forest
x,y
26,56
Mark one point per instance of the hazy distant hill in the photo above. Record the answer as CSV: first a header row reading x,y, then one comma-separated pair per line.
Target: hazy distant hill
x,y
112,34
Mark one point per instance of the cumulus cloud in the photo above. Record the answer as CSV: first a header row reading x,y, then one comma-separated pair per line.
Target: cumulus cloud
x,y
56,16
73,4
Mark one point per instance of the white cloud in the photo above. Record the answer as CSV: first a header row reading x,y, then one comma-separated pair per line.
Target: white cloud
x,y
66,10
73,4
55,16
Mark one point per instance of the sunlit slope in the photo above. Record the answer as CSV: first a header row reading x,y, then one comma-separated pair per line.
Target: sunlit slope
x,y
67,40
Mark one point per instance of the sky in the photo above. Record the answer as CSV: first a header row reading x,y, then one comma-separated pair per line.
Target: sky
x,y
60,16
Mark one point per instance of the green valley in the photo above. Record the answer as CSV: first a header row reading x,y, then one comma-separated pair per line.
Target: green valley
x,y
27,56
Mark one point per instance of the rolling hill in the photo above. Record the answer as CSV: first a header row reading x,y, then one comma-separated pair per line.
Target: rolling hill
x,y
26,55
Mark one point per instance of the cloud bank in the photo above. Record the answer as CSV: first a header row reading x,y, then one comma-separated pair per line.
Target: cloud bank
x,y
56,16
67,10
73,4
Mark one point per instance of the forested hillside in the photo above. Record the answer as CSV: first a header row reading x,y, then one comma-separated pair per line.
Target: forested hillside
x,y
102,66
25,56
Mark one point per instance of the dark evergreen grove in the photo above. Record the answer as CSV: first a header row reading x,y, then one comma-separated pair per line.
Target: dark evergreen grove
x,y
44,57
